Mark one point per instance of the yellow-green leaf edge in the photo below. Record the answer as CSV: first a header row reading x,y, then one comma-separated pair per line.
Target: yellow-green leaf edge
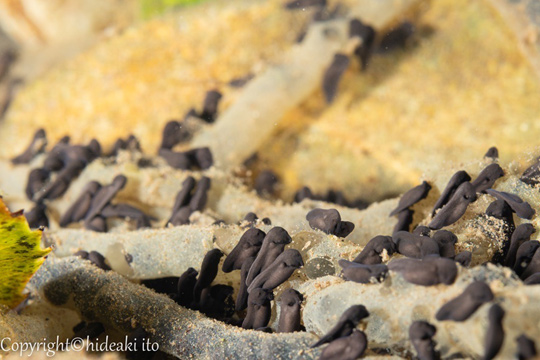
x,y
20,255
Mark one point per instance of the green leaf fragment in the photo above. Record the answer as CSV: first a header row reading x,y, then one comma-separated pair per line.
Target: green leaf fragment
x,y
20,255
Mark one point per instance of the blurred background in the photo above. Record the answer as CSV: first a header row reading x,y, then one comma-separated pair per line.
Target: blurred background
x,y
35,34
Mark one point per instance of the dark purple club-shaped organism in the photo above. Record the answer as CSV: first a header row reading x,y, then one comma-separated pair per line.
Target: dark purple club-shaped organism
x,y
405,219
432,270
200,158
521,234
495,332
534,279
345,325
78,210
464,258
37,217
526,348
273,244
209,270
500,210
173,133
289,316
184,195
412,197
248,246
415,246
520,207
37,179
184,288
303,193
200,196
363,274
367,34
329,221
422,230
104,195
333,75
349,347
37,146
279,271
259,309
531,175
463,306
99,260
533,267
487,178
60,184
455,181
492,153
446,241
371,253
421,335
241,298
266,182
397,37
524,255
210,106
455,208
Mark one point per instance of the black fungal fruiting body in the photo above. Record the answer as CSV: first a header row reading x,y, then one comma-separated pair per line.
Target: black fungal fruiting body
x,y
421,335
184,288
446,241
329,221
289,317
526,348
405,219
367,34
495,332
429,271
463,306
37,146
371,254
210,106
533,267
520,207
455,208
278,271
266,182
500,210
415,246
273,244
397,37
209,269
524,255
531,175
361,273
248,246
464,258
487,178
259,309
241,298
455,181
333,75
349,347
521,234
492,153
99,260
188,201
345,325
37,217
412,197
